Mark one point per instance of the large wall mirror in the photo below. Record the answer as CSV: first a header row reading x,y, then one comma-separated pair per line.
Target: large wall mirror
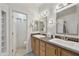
x,y
69,27
67,22
40,25
71,24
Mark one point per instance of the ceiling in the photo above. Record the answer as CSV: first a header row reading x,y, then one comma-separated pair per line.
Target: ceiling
x,y
29,6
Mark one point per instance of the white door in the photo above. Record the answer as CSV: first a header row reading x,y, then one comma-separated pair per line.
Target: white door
x,y
4,32
19,30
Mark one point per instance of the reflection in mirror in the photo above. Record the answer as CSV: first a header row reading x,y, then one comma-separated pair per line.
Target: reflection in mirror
x,y
41,24
71,24
35,25
67,21
59,26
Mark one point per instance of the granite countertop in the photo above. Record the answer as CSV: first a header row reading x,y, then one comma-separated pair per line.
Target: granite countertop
x,y
69,45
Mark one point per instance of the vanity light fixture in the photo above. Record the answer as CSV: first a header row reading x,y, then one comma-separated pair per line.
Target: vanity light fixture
x,y
44,13
62,5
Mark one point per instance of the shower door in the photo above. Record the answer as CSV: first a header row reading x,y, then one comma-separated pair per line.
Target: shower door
x,y
19,36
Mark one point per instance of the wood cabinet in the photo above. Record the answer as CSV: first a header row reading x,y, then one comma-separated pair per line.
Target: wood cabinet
x,y
51,50
42,48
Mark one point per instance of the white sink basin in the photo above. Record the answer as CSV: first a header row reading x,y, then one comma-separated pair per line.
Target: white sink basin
x,y
39,36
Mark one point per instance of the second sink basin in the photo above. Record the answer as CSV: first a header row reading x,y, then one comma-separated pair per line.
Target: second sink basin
x,y
64,43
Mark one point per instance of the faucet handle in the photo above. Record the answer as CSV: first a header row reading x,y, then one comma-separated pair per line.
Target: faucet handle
x,y
66,38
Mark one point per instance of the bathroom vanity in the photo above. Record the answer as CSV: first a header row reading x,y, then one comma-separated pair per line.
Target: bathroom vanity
x,y
45,46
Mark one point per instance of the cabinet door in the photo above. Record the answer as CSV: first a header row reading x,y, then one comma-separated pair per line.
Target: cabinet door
x,y
33,44
64,52
4,40
37,46
51,50
42,48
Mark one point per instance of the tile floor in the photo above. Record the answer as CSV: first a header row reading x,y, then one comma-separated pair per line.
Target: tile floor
x,y
20,51
30,54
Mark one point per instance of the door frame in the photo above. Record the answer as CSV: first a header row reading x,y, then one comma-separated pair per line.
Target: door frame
x,y
12,45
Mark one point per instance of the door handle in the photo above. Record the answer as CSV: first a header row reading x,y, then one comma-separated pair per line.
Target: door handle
x,y
12,33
